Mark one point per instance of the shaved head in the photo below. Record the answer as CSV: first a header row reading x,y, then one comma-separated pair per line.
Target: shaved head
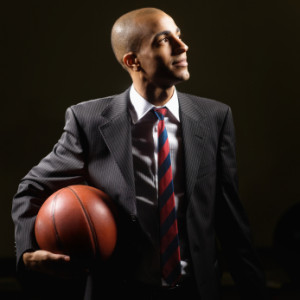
x,y
126,34
147,43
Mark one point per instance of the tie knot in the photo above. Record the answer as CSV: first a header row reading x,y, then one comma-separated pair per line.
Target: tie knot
x,y
160,112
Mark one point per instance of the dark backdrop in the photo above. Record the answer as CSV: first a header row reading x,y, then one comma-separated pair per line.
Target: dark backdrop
x,y
243,53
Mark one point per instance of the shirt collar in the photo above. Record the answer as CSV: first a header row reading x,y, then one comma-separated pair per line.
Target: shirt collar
x,y
140,106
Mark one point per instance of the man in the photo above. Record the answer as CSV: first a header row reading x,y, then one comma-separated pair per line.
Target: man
x,y
111,144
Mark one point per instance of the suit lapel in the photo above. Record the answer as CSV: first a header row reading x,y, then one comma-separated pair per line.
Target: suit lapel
x,y
193,136
115,128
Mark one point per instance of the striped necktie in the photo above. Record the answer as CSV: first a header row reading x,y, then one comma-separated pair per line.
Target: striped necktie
x,y
169,241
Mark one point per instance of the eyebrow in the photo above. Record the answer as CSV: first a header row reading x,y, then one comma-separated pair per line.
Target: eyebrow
x,y
165,32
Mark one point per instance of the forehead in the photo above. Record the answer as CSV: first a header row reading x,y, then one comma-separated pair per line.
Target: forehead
x,y
153,24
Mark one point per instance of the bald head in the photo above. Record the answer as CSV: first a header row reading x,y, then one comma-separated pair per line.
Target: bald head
x,y
127,31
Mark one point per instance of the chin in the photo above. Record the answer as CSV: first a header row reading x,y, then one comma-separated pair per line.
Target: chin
x,y
184,76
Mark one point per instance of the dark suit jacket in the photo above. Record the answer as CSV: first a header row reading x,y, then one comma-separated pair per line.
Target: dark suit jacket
x,y
96,148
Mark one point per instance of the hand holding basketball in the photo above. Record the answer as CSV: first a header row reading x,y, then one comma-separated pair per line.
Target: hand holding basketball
x,y
77,221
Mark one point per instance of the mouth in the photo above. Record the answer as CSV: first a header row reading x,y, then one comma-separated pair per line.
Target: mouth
x,y
180,62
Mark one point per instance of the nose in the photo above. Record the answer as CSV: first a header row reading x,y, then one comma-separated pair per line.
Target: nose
x,y
179,46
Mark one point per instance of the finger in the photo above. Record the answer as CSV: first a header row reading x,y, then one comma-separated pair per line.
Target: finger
x,y
50,256
61,257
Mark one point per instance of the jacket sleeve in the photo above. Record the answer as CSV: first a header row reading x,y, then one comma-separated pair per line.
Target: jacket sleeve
x,y
65,165
231,221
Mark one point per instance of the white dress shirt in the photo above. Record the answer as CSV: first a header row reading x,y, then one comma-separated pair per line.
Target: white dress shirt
x,y
145,158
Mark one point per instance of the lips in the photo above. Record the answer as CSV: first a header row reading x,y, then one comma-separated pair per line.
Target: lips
x,y
180,62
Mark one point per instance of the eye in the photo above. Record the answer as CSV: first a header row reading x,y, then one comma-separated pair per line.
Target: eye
x,y
164,40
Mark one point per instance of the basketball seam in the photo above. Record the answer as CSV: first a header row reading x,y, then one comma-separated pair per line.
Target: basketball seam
x,y
59,242
95,240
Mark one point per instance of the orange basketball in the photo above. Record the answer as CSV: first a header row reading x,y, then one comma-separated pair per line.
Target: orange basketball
x,y
77,220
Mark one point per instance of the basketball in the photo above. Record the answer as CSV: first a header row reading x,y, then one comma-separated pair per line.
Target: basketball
x,y
79,221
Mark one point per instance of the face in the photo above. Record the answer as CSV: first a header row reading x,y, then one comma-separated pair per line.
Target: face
x,y
162,54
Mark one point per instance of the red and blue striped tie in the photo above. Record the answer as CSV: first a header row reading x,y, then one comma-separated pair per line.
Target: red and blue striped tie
x,y
169,241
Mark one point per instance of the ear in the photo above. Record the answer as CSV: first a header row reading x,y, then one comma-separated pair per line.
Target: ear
x,y
131,61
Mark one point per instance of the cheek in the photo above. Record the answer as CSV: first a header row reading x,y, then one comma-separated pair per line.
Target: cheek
x,y
146,61
153,64
161,63
150,65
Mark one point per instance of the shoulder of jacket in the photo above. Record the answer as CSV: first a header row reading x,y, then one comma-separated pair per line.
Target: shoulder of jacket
x,y
206,106
98,105
203,101
93,104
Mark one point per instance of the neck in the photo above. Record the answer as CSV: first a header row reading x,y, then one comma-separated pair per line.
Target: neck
x,y
157,96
